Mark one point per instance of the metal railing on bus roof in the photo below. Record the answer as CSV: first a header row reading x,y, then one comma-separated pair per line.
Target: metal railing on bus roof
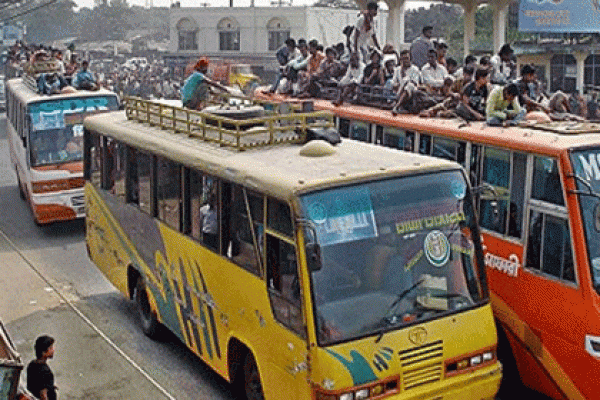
x,y
273,128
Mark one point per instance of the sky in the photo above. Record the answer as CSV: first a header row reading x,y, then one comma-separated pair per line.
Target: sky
x,y
224,3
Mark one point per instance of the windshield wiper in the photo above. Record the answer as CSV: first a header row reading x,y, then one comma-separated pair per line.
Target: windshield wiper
x,y
398,299
590,191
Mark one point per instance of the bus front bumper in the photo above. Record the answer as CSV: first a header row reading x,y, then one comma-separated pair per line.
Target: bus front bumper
x,y
57,208
482,384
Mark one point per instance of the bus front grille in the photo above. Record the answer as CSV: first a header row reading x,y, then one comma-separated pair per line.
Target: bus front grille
x,y
422,365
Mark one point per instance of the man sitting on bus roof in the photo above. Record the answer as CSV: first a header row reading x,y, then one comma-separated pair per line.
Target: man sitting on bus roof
x,y
503,108
433,73
194,93
351,80
474,97
84,78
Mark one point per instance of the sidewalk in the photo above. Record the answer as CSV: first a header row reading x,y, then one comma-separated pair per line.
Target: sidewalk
x,y
85,365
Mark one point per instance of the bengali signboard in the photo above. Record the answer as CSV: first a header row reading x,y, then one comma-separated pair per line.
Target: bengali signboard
x,y
559,16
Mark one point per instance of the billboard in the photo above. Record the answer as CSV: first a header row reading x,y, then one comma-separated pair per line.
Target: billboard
x,y
559,16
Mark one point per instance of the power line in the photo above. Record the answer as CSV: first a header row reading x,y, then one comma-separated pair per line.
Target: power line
x,y
28,11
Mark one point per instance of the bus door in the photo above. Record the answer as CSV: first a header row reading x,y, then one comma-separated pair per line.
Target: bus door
x,y
287,346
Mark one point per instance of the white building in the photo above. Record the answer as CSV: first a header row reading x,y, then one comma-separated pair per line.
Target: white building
x,y
252,34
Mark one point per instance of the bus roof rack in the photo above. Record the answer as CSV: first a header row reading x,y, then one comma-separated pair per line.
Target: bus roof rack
x,y
37,68
270,128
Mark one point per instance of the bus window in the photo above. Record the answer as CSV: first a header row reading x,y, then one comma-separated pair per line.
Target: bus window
x,y
241,247
424,144
496,173
115,181
398,138
360,131
549,246
168,193
475,164
138,182
108,163
279,217
450,150
517,195
95,160
204,215
344,127
546,181
283,284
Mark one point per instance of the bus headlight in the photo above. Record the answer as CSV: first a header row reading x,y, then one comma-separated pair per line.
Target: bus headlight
x,y
378,390
471,361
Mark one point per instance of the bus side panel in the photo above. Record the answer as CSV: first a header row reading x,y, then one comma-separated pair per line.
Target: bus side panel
x,y
213,300
104,240
534,375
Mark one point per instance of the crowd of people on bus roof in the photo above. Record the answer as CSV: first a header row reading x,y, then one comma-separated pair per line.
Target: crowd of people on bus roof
x,y
151,80
68,74
422,80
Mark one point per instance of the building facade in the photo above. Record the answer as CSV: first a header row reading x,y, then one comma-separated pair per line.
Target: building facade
x,y
251,35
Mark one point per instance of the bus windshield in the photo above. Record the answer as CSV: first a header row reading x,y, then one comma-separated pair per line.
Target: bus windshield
x,y
56,134
587,170
393,252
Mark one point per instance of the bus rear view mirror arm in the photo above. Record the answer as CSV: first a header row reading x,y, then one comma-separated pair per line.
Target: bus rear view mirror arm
x,y
588,192
312,248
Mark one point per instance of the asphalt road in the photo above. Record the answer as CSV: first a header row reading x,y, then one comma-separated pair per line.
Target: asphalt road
x,y
49,286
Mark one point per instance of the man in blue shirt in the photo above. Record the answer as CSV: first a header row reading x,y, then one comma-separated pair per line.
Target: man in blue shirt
x,y
194,92
84,79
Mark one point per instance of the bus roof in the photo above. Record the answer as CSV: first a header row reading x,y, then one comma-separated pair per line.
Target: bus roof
x,y
279,170
544,138
26,95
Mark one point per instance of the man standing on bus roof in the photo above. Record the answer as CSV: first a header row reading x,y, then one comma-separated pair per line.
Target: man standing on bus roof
x,y
364,32
194,92
40,379
419,49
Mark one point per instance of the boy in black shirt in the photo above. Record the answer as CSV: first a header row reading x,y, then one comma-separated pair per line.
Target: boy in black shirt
x,y
40,379
474,96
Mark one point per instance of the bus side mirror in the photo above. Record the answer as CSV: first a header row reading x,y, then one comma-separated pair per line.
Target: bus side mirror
x,y
313,257
24,140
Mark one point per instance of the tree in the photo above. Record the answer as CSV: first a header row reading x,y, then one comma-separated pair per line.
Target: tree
x,y
50,21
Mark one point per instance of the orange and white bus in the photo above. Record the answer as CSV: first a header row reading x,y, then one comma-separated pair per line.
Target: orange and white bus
x,y
46,146
539,210
295,270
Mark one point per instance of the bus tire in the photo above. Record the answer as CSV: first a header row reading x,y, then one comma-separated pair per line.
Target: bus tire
x,y
148,320
252,384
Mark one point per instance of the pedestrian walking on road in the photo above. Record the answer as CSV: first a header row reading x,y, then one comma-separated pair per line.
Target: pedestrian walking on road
x,y
40,379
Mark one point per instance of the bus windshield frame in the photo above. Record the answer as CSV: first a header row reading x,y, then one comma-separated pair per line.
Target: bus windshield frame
x,y
393,253
586,169
56,127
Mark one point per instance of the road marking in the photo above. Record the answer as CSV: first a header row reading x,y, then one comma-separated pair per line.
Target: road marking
x,y
85,319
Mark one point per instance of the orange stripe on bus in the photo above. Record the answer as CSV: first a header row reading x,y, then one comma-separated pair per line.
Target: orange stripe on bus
x,y
519,328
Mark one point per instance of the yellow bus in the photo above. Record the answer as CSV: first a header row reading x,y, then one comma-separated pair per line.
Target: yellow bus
x,y
46,146
295,270
540,221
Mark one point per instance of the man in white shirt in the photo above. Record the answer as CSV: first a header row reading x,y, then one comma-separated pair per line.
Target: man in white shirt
x,y
350,81
433,73
419,50
405,81
364,32
503,68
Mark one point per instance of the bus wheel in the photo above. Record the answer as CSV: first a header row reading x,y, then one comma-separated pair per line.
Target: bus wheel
x,y
252,385
150,324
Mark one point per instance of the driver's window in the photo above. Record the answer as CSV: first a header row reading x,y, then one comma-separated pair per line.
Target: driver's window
x,y
284,284
283,281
